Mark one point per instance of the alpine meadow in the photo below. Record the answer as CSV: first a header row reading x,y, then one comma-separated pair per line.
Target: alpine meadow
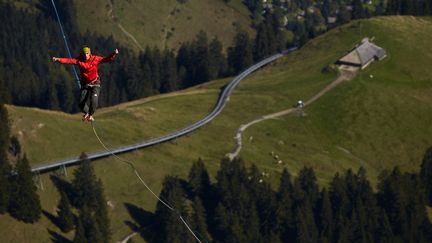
x,y
310,147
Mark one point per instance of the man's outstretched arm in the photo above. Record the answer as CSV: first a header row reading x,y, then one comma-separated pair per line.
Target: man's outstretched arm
x,y
65,60
110,57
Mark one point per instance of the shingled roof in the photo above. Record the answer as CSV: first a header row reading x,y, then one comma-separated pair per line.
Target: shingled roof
x,y
363,54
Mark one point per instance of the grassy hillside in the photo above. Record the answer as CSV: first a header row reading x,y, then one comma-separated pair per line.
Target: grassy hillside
x,y
165,23
373,122
379,120
136,24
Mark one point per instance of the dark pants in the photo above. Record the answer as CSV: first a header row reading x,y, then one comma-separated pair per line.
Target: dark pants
x,y
89,96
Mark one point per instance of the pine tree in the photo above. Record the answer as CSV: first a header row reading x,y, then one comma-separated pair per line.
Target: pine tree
x,y
222,223
420,227
340,204
240,56
306,181
4,182
200,50
65,215
134,88
92,232
5,169
199,185
265,202
384,233
273,27
237,204
427,7
101,213
228,225
155,61
367,208
231,184
305,195
261,49
426,174
4,128
306,230
91,201
358,10
24,202
50,100
65,93
251,226
285,217
325,217
14,147
84,184
343,15
169,73
199,180
170,228
325,9
380,8
393,7
217,60
199,220
79,232
389,200
406,7
402,196
184,64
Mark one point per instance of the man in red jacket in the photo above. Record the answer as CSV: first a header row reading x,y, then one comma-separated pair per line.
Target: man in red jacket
x,y
90,81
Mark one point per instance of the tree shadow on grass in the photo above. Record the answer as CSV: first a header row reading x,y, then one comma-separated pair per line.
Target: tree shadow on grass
x,y
144,222
52,218
58,238
64,186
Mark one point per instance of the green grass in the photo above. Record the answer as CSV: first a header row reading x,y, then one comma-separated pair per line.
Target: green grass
x,y
163,23
39,130
374,122
377,122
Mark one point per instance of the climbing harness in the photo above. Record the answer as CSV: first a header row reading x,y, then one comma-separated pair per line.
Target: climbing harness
x,y
109,151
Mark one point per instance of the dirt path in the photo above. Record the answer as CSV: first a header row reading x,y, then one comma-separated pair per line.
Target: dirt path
x,y
114,19
165,35
127,238
344,75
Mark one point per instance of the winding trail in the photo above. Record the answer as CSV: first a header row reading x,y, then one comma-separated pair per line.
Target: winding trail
x,y
344,75
128,237
165,35
115,20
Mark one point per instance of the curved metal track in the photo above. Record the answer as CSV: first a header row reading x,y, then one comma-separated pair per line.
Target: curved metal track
x,y
223,98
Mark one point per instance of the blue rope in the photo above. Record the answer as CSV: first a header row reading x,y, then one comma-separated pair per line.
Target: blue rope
x,y
66,43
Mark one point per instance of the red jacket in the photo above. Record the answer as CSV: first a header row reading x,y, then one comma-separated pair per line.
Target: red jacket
x,y
89,68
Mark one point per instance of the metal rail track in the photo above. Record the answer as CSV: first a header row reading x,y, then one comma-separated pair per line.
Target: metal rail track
x,y
223,99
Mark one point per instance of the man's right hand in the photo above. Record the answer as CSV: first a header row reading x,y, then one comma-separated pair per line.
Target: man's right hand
x,y
55,59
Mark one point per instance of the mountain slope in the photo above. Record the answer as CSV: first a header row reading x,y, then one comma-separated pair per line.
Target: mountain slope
x,y
136,24
379,120
373,122
164,23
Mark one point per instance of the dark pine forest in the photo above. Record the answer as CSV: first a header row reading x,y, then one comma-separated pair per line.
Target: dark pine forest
x,y
240,205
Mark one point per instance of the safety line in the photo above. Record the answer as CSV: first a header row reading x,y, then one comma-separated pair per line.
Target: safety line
x,y
66,43
143,182
100,141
